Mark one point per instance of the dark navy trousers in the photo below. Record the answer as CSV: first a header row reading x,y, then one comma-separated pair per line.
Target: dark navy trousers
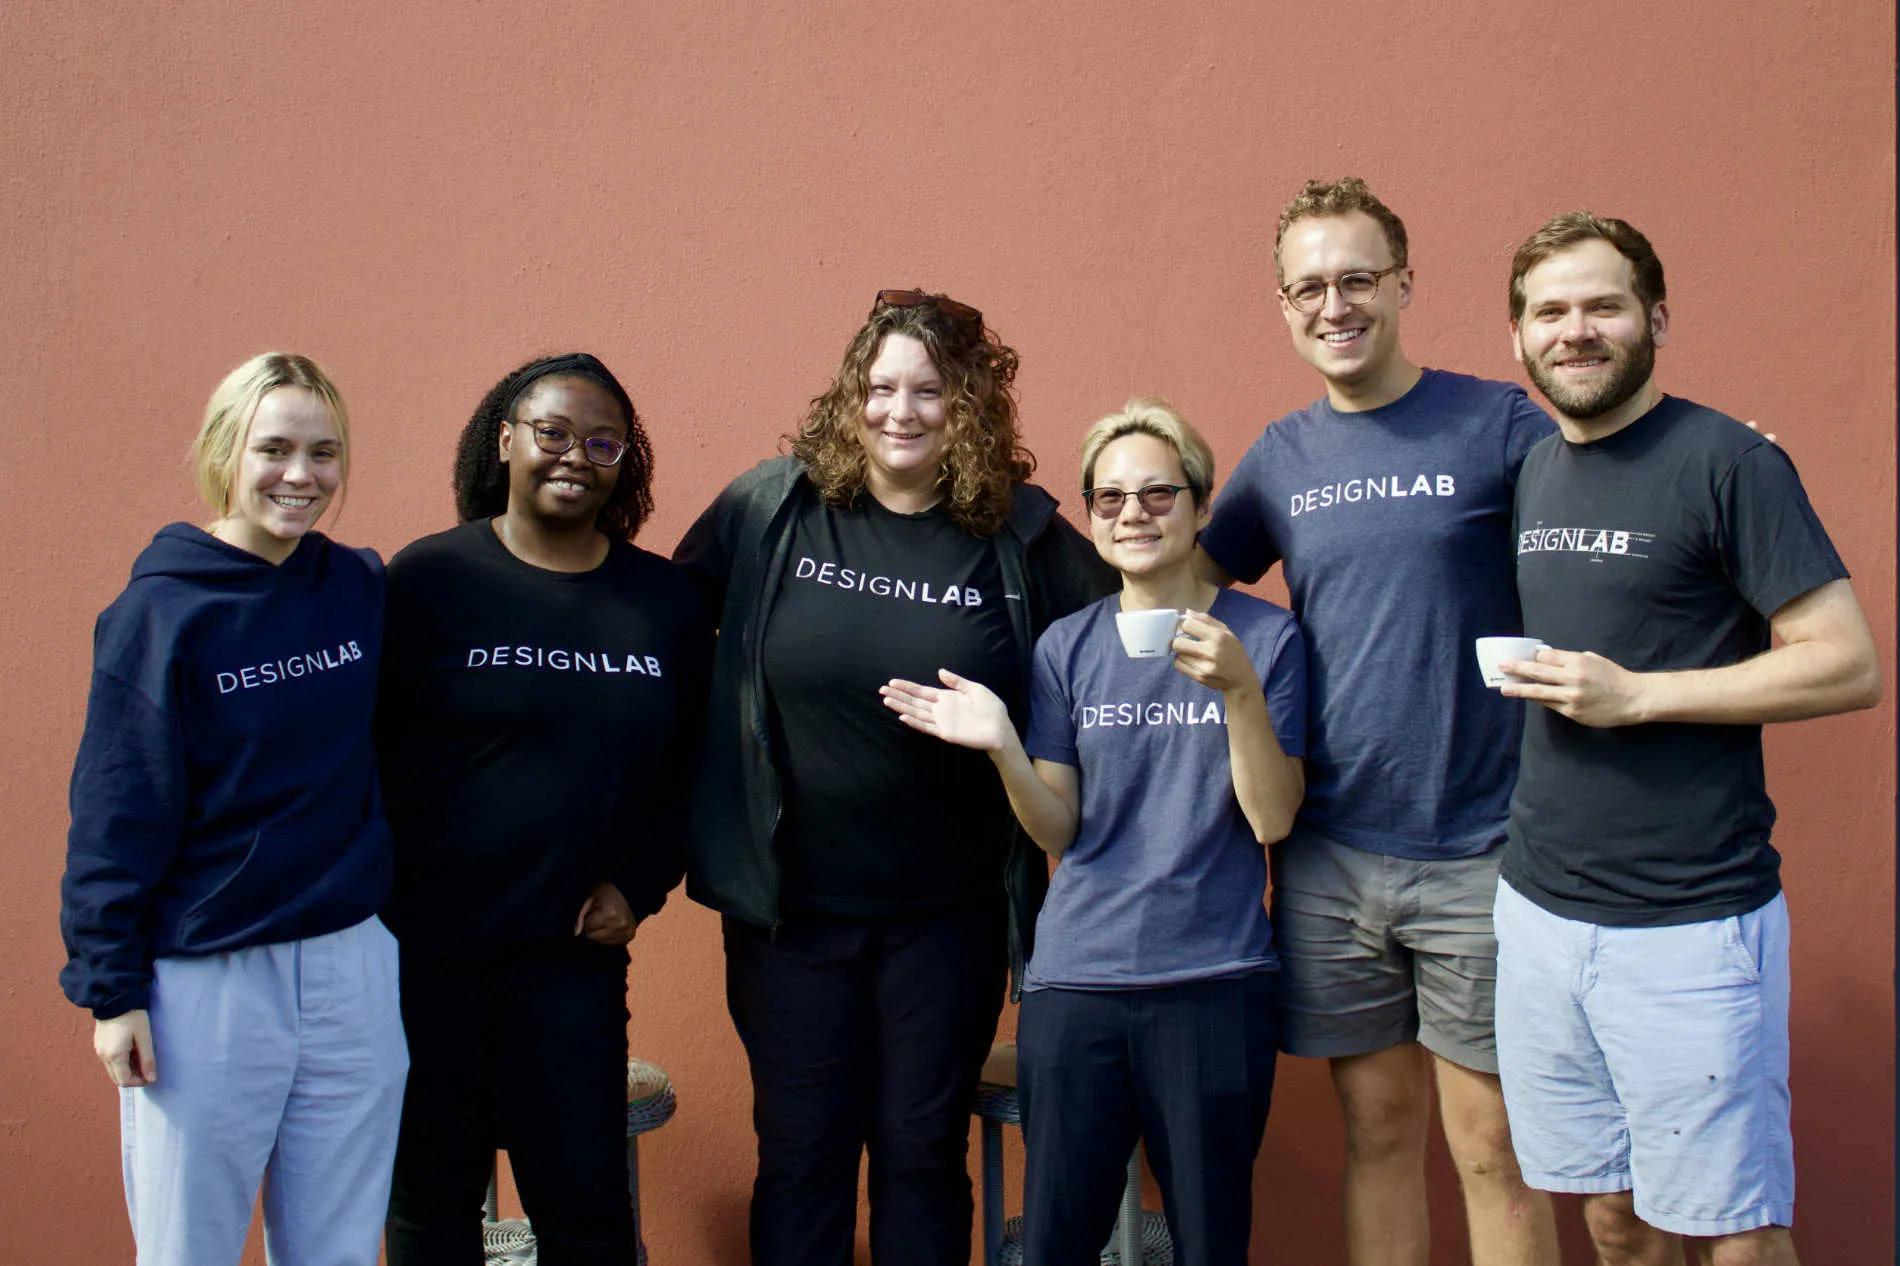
x,y
865,1036
1188,1069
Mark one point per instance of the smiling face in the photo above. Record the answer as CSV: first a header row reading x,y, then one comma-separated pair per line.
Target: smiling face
x,y
905,427
1584,338
560,487
1135,542
1350,346
288,472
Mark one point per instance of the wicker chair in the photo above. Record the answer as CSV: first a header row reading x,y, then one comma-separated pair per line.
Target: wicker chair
x,y
650,1105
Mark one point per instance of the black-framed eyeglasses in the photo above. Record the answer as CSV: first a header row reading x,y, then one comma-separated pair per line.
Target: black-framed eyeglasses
x,y
917,299
1357,289
553,438
1156,499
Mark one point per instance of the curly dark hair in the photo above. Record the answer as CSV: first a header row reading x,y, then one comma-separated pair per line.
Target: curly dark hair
x,y
481,480
983,460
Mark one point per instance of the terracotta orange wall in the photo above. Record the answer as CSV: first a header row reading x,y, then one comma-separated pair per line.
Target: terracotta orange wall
x,y
707,195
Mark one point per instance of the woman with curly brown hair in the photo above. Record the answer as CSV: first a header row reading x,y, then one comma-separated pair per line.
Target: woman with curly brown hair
x,y
874,883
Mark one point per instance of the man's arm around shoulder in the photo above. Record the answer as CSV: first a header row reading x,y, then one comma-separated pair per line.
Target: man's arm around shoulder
x,y
1826,663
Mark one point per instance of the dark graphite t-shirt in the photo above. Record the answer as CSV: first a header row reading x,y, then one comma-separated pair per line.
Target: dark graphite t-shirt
x,y
879,820
535,731
1393,526
1665,546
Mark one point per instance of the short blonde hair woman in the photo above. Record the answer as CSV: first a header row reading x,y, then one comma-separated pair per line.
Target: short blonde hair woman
x,y
228,854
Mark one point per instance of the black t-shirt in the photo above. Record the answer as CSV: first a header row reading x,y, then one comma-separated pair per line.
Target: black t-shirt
x,y
535,731
1665,546
880,820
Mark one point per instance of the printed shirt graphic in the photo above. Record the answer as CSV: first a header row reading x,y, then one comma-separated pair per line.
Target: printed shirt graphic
x,y
533,728
880,820
1165,881
1394,530
1666,546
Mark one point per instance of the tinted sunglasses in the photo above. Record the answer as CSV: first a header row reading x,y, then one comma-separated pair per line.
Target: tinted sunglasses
x,y
918,299
1156,499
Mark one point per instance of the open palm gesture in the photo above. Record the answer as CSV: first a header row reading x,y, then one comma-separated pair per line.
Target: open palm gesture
x,y
963,712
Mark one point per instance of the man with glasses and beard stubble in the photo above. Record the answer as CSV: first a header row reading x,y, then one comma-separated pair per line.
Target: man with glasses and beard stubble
x,y
1387,503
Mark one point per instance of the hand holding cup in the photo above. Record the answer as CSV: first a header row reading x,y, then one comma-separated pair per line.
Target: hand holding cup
x,y
1208,652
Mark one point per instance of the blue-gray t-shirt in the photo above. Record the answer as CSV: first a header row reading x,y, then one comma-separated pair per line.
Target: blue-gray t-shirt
x,y
1165,882
1394,529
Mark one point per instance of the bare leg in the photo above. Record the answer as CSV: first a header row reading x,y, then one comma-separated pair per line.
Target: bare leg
x,y
1387,1100
1510,1224
1622,1238
1770,1246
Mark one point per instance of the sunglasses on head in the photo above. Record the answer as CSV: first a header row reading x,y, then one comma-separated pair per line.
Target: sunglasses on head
x,y
918,299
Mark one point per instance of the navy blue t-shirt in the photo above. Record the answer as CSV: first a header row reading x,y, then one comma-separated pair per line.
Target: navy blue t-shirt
x,y
1165,882
1394,528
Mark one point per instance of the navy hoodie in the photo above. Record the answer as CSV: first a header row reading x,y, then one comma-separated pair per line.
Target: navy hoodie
x,y
225,792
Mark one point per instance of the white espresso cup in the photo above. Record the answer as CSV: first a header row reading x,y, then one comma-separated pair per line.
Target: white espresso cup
x,y
1494,650
1148,634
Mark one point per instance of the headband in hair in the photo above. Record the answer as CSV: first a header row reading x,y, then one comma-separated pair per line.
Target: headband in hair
x,y
573,363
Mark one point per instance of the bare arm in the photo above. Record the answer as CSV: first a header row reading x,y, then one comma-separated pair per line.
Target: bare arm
x,y
1045,796
1267,782
1826,663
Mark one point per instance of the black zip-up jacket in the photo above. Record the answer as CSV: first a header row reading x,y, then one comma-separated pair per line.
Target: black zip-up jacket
x,y
737,552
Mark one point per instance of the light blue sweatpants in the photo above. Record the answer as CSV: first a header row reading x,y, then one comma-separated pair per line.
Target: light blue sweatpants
x,y
282,1064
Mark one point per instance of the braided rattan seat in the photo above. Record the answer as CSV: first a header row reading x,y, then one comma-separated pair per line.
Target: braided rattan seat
x,y
650,1105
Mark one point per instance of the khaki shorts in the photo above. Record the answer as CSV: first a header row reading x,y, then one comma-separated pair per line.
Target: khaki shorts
x,y
1376,951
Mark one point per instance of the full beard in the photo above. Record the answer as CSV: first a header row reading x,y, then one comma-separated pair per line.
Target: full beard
x,y
1584,401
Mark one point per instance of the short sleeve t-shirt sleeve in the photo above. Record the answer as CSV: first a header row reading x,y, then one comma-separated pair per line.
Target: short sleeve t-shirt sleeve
x,y
1164,882
1393,527
1664,547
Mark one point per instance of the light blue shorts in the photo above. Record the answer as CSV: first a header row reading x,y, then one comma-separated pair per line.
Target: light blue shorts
x,y
1650,1060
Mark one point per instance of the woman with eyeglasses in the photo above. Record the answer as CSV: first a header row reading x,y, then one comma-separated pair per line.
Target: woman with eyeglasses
x,y
1156,783
228,853
874,885
541,693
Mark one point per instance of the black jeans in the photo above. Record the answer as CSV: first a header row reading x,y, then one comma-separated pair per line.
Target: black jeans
x,y
1187,1068
528,1053
865,1036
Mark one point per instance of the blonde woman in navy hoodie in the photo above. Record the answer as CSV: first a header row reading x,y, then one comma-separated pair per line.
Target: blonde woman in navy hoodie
x,y
228,854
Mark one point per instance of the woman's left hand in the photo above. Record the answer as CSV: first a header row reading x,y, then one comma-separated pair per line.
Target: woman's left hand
x,y
605,917
1207,650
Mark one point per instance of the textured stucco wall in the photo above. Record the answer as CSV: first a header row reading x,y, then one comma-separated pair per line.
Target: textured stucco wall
x,y
708,195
